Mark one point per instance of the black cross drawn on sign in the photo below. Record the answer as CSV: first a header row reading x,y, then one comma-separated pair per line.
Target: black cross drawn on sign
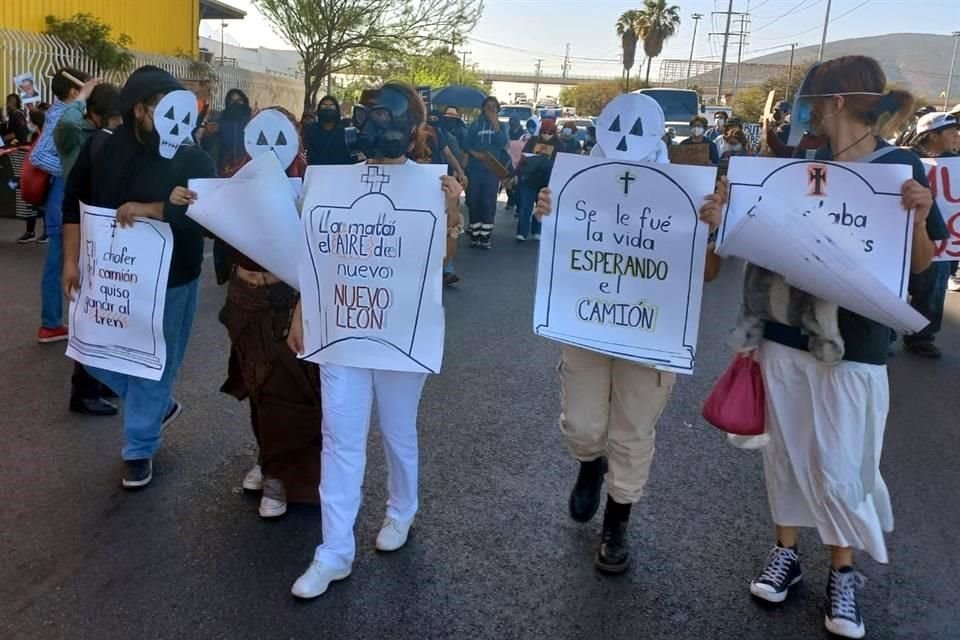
x,y
626,179
375,179
817,177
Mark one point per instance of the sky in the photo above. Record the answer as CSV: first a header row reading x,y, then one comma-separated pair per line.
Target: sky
x,y
513,34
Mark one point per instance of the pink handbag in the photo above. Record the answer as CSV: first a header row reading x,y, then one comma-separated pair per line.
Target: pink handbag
x,y
737,402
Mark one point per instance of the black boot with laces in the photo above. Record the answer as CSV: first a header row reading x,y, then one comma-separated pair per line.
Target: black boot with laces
x,y
613,556
585,497
843,614
782,572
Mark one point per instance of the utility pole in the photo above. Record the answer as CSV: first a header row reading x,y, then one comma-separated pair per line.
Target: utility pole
x,y
786,92
536,86
726,41
744,21
823,39
566,61
463,66
696,20
953,65
223,30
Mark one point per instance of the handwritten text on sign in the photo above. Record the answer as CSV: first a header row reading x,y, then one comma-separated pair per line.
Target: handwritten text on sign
x,y
116,318
622,258
371,276
861,201
943,174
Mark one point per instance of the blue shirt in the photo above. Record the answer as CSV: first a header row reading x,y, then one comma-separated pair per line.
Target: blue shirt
x,y
44,155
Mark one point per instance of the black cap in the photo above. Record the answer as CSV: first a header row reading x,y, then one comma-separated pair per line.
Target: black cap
x,y
145,82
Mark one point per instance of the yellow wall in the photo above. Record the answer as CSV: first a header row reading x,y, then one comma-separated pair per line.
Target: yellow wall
x,y
156,26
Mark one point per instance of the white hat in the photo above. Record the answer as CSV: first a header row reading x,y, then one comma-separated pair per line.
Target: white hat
x,y
935,121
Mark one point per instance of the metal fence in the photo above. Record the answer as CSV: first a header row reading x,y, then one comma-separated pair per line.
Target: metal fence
x,y
42,55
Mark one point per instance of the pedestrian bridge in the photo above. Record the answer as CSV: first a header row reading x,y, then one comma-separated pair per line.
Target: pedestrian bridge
x,y
526,77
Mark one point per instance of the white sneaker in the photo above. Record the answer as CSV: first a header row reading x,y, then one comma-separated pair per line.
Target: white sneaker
x,y
393,534
316,579
272,508
253,481
953,284
521,238
536,236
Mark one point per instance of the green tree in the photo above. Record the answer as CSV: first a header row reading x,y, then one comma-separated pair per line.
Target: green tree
x,y
748,103
662,22
333,36
589,99
630,27
93,37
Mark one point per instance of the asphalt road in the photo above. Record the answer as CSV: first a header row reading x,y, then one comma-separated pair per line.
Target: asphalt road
x,y
493,553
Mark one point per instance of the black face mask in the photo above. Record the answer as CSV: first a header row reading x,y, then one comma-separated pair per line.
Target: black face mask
x,y
237,111
385,128
328,116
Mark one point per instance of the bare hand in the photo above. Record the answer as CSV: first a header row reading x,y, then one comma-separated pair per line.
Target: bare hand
x,y
88,88
451,191
127,212
463,180
918,198
544,203
295,335
712,210
70,280
181,196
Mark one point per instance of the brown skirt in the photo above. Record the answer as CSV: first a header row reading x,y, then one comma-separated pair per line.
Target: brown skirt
x,y
284,392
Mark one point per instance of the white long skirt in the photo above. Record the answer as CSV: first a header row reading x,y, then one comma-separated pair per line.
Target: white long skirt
x,y
822,464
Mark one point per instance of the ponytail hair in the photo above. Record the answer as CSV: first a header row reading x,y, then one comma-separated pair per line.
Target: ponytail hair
x,y
863,85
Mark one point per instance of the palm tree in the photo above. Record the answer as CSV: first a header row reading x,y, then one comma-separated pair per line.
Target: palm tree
x,y
661,22
630,28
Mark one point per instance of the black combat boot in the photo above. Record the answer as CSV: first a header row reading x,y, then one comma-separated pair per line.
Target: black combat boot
x,y
585,497
613,555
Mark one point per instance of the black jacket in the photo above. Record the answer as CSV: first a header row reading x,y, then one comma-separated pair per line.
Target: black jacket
x,y
124,170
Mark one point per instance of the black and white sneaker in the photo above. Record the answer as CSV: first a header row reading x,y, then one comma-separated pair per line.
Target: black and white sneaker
x,y
175,410
137,473
843,615
782,572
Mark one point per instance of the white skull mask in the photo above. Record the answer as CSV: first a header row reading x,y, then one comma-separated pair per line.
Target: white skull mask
x,y
272,131
175,119
630,127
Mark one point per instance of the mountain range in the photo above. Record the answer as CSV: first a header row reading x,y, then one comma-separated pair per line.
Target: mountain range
x,y
919,62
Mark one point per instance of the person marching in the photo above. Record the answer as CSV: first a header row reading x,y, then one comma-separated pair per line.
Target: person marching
x,y
698,128
127,173
326,139
609,409
485,136
826,408
223,139
391,129
283,390
533,174
936,137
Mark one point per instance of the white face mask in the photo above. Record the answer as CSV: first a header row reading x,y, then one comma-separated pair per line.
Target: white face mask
x,y
697,131
720,123
737,148
566,133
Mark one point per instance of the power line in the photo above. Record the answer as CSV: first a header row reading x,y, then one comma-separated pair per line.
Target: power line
x,y
819,26
796,8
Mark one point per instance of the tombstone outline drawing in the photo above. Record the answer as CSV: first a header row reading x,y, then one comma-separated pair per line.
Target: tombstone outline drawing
x,y
685,358
741,187
373,171
149,360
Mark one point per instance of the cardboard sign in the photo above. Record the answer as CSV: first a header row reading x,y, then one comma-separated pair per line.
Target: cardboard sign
x,y
622,259
753,131
116,318
856,200
943,174
693,153
254,211
374,237
783,237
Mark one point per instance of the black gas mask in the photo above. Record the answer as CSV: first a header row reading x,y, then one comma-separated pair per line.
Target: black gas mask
x,y
385,126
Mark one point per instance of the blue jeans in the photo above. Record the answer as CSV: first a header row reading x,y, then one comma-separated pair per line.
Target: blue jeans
x,y
481,193
449,268
147,402
526,198
51,296
927,292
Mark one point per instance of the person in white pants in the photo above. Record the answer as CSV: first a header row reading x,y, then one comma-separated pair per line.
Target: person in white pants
x,y
391,132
